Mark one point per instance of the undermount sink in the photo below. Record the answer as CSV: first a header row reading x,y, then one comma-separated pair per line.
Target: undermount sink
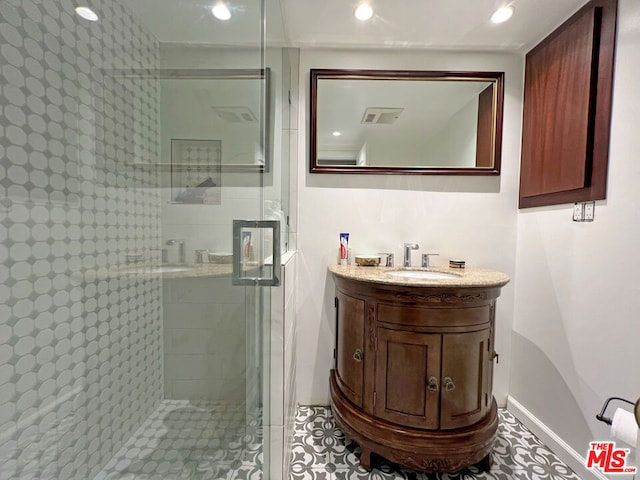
x,y
421,274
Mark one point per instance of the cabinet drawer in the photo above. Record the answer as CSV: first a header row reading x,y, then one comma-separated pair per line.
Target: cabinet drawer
x,y
433,317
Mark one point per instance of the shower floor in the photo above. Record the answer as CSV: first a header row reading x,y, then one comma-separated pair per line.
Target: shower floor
x,y
191,440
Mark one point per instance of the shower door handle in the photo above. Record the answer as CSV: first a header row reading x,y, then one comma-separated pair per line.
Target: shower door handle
x,y
256,253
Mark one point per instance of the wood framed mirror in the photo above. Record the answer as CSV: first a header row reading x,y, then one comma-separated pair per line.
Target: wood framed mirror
x,y
406,122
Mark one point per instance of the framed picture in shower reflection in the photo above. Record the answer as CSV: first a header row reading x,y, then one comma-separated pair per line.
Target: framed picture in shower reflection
x,y
196,171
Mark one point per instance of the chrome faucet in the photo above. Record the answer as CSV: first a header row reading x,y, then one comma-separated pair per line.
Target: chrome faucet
x,y
182,249
200,255
407,253
425,258
389,256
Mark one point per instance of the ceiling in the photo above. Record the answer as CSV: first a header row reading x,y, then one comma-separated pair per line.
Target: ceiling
x,y
433,24
418,24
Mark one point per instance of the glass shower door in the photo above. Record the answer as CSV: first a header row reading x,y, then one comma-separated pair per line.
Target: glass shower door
x,y
131,138
214,156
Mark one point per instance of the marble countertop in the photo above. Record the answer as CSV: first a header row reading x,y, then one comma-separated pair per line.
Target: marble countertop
x,y
464,277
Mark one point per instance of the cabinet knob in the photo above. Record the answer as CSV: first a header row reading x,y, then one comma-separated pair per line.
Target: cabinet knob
x,y
357,355
433,384
448,384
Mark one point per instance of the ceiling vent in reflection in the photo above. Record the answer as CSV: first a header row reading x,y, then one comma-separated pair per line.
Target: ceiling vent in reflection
x,y
235,114
381,115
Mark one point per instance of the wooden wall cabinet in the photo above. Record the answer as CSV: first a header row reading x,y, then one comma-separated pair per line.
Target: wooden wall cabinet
x,y
567,110
413,373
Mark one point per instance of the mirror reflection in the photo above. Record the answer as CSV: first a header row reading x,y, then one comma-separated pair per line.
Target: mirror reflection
x,y
223,106
405,122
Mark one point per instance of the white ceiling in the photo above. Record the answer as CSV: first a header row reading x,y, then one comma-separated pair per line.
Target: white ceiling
x,y
432,24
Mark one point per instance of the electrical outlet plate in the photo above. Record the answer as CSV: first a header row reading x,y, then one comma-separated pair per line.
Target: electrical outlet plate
x,y
589,211
584,211
578,212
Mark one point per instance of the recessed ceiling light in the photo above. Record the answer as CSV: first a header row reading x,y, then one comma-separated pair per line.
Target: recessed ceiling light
x,y
336,134
87,14
364,12
502,14
221,12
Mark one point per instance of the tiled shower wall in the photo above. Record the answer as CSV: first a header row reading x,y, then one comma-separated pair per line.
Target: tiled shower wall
x,y
80,346
204,340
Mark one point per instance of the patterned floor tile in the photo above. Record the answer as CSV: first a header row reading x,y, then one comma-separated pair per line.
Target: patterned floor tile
x,y
205,441
313,474
321,452
185,440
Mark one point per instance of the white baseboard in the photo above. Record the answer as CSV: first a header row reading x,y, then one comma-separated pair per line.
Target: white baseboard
x,y
561,448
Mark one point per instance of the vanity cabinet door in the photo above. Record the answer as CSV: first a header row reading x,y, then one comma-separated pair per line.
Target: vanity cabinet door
x,y
407,377
350,346
466,378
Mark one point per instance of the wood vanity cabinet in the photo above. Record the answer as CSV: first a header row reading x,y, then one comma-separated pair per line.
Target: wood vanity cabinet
x,y
413,373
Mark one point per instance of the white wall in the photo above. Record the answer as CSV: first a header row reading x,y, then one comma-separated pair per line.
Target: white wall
x,y
455,143
462,217
577,296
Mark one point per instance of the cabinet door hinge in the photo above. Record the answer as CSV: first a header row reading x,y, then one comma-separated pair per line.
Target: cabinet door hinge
x,y
334,353
335,302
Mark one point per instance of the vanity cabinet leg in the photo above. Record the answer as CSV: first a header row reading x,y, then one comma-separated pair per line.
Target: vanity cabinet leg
x,y
365,457
485,464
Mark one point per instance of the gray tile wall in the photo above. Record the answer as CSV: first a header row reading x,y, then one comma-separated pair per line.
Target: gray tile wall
x,y
80,348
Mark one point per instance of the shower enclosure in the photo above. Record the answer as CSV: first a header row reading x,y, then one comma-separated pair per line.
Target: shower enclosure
x,y
135,138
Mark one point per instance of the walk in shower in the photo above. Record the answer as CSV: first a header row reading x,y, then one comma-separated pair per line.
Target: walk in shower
x,y
135,337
